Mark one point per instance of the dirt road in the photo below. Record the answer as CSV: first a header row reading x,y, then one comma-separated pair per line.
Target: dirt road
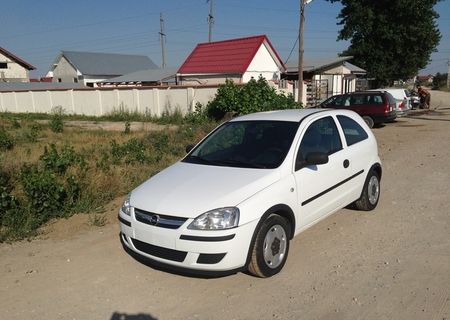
x,y
393,263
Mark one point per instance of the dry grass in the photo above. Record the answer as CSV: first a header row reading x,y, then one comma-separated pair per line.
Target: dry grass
x,y
112,164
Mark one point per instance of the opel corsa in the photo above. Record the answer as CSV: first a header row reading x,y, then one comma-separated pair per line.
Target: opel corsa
x,y
240,195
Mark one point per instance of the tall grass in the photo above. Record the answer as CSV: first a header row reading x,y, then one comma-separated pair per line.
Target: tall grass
x,y
46,174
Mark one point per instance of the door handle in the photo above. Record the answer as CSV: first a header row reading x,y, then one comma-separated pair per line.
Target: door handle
x,y
346,163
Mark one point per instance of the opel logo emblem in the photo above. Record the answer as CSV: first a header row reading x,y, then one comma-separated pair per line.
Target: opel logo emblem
x,y
154,219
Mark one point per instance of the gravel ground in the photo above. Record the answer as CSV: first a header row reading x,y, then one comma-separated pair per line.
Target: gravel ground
x,y
393,263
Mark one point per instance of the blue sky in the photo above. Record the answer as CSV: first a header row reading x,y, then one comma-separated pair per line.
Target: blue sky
x,y
37,30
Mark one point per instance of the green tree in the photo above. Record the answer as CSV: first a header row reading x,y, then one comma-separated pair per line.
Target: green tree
x,y
439,81
254,96
391,39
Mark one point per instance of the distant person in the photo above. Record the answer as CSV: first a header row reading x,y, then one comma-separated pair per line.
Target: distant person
x,y
424,97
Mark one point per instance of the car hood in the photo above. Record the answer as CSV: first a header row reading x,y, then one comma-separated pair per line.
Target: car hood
x,y
188,190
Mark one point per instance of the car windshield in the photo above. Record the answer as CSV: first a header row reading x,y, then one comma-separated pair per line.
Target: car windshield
x,y
246,144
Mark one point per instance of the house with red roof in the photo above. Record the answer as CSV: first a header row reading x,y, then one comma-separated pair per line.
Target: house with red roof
x,y
13,68
425,78
236,59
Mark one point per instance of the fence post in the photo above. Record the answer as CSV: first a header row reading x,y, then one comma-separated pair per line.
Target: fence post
x,y
156,102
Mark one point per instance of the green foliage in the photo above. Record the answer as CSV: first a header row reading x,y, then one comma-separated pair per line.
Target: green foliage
x,y
255,96
8,203
59,162
31,133
47,194
50,181
56,122
391,39
6,141
198,117
123,113
132,151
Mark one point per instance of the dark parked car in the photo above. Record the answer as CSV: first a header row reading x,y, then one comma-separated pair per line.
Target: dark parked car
x,y
375,107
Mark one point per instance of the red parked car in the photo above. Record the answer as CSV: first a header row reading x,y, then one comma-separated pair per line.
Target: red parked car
x,y
375,107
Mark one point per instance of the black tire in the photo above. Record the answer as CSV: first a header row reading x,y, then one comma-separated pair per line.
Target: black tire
x,y
370,194
271,247
369,121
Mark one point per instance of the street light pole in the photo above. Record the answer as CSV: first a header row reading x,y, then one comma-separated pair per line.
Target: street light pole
x,y
301,49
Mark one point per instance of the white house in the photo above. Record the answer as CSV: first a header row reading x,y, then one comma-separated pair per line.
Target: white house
x,y
89,68
236,59
325,77
13,68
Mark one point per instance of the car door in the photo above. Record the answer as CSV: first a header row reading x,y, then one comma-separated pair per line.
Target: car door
x,y
320,187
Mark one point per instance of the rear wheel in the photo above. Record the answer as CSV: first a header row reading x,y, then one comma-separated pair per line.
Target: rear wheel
x,y
369,121
370,194
271,247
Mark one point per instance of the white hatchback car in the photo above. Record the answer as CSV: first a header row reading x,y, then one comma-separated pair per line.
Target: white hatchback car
x,y
250,186
403,100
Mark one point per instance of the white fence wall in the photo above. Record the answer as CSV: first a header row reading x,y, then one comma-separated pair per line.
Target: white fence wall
x,y
101,101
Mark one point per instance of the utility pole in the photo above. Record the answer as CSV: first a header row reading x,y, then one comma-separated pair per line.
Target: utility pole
x,y
448,74
162,36
210,20
301,31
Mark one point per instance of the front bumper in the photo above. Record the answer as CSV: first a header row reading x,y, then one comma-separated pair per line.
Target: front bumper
x,y
218,250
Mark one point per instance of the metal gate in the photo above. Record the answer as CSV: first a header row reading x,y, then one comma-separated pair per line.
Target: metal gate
x,y
316,91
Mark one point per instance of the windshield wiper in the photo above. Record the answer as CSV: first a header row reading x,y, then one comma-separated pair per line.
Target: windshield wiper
x,y
237,163
198,159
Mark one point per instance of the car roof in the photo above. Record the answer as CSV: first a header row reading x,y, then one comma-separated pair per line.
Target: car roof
x,y
294,115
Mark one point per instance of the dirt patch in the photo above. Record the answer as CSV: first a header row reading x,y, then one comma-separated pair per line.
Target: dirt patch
x,y
392,263
114,125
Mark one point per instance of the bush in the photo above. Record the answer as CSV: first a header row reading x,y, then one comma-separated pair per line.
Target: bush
x,y
59,162
56,122
8,203
6,141
132,151
255,96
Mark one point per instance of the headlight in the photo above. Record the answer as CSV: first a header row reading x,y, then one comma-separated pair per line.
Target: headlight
x,y
218,219
126,207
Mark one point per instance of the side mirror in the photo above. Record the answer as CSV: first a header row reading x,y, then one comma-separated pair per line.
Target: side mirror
x,y
189,148
316,158
312,158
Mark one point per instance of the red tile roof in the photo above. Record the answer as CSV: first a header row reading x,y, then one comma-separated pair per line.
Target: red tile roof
x,y
228,56
17,59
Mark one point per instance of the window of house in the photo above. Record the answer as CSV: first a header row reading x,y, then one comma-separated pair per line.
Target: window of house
x,y
59,80
3,65
75,80
353,132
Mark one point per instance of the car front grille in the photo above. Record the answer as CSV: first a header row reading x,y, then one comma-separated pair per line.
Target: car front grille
x,y
158,220
160,252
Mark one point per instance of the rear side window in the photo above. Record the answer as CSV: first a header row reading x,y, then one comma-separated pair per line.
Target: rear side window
x,y
353,132
375,99
391,98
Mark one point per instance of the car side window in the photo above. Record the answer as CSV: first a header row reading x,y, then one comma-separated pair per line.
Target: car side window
x,y
375,99
353,132
358,99
321,136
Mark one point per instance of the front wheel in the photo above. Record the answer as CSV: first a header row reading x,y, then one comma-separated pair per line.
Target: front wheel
x,y
370,194
271,247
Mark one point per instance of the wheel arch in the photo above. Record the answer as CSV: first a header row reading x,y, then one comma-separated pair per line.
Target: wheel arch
x,y
282,210
377,168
